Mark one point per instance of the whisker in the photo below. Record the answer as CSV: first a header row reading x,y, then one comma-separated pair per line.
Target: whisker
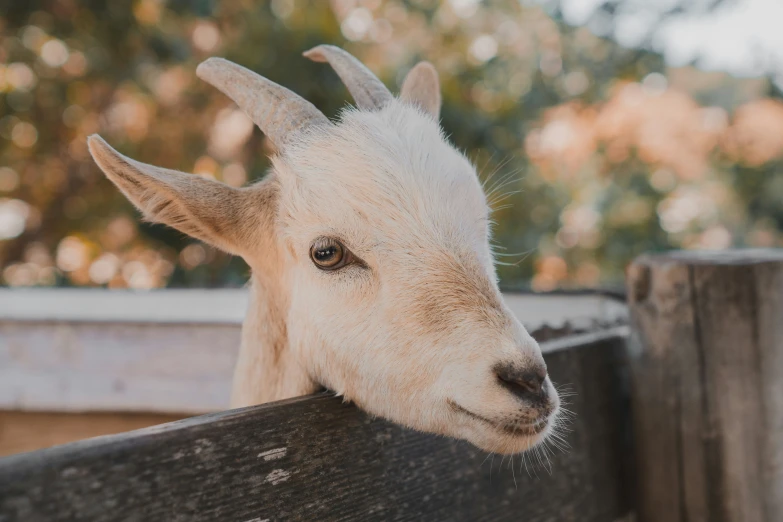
x,y
485,459
498,197
545,450
502,181
492,195
497,168
524,462
514,175
524,256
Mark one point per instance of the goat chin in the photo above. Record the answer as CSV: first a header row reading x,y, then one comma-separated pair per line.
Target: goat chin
x,y
369,243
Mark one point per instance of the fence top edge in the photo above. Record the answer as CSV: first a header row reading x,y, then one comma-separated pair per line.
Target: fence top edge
x,y
749,256
579,340
169,306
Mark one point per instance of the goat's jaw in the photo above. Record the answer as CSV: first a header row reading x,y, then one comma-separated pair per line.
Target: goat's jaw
x,y
504,437
482,413
505,434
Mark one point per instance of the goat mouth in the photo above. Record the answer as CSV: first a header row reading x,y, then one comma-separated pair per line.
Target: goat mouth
x,y
527,430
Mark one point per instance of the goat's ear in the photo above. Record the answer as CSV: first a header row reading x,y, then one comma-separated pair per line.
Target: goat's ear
x,y
223,216
422,87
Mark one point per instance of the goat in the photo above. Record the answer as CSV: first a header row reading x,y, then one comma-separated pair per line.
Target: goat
x,y
372,272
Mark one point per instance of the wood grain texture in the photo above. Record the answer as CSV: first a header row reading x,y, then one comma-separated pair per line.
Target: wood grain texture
x,y
315,458
90,366
706,358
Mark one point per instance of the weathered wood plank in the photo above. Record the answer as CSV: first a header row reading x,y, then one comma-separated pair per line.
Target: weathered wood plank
x,y
707,365
315,458
147,367
104,350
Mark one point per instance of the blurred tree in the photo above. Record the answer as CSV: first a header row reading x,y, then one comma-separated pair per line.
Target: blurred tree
x,y
600,151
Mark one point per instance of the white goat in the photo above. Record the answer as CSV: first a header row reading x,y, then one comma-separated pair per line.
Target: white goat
x,y
369,248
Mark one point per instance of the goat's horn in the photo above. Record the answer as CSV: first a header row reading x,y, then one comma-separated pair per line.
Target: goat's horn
x,y
277,111
367,90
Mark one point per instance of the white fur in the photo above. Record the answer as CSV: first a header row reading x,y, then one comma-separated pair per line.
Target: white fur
x,y
415,332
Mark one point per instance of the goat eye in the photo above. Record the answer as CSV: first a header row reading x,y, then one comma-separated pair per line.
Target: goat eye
x,y
329,254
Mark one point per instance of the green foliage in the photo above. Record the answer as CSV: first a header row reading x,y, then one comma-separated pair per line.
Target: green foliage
x,y
125,69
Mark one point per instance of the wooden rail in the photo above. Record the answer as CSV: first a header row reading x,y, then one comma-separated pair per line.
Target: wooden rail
x,y
81,350
315,458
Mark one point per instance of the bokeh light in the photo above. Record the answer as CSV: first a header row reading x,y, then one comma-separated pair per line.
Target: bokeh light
x,y
596,152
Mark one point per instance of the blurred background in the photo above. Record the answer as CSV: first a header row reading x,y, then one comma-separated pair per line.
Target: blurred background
x,y
614,126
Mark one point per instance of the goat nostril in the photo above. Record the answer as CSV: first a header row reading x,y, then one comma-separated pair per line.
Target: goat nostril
x,y
528,385
532,384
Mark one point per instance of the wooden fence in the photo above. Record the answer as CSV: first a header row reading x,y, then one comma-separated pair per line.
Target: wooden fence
x,y
702,372
81,363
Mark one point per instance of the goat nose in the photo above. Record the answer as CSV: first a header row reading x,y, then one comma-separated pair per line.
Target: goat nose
x,y
527,384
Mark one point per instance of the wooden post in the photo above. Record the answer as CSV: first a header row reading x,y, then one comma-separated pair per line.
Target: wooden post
x,y
706,357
